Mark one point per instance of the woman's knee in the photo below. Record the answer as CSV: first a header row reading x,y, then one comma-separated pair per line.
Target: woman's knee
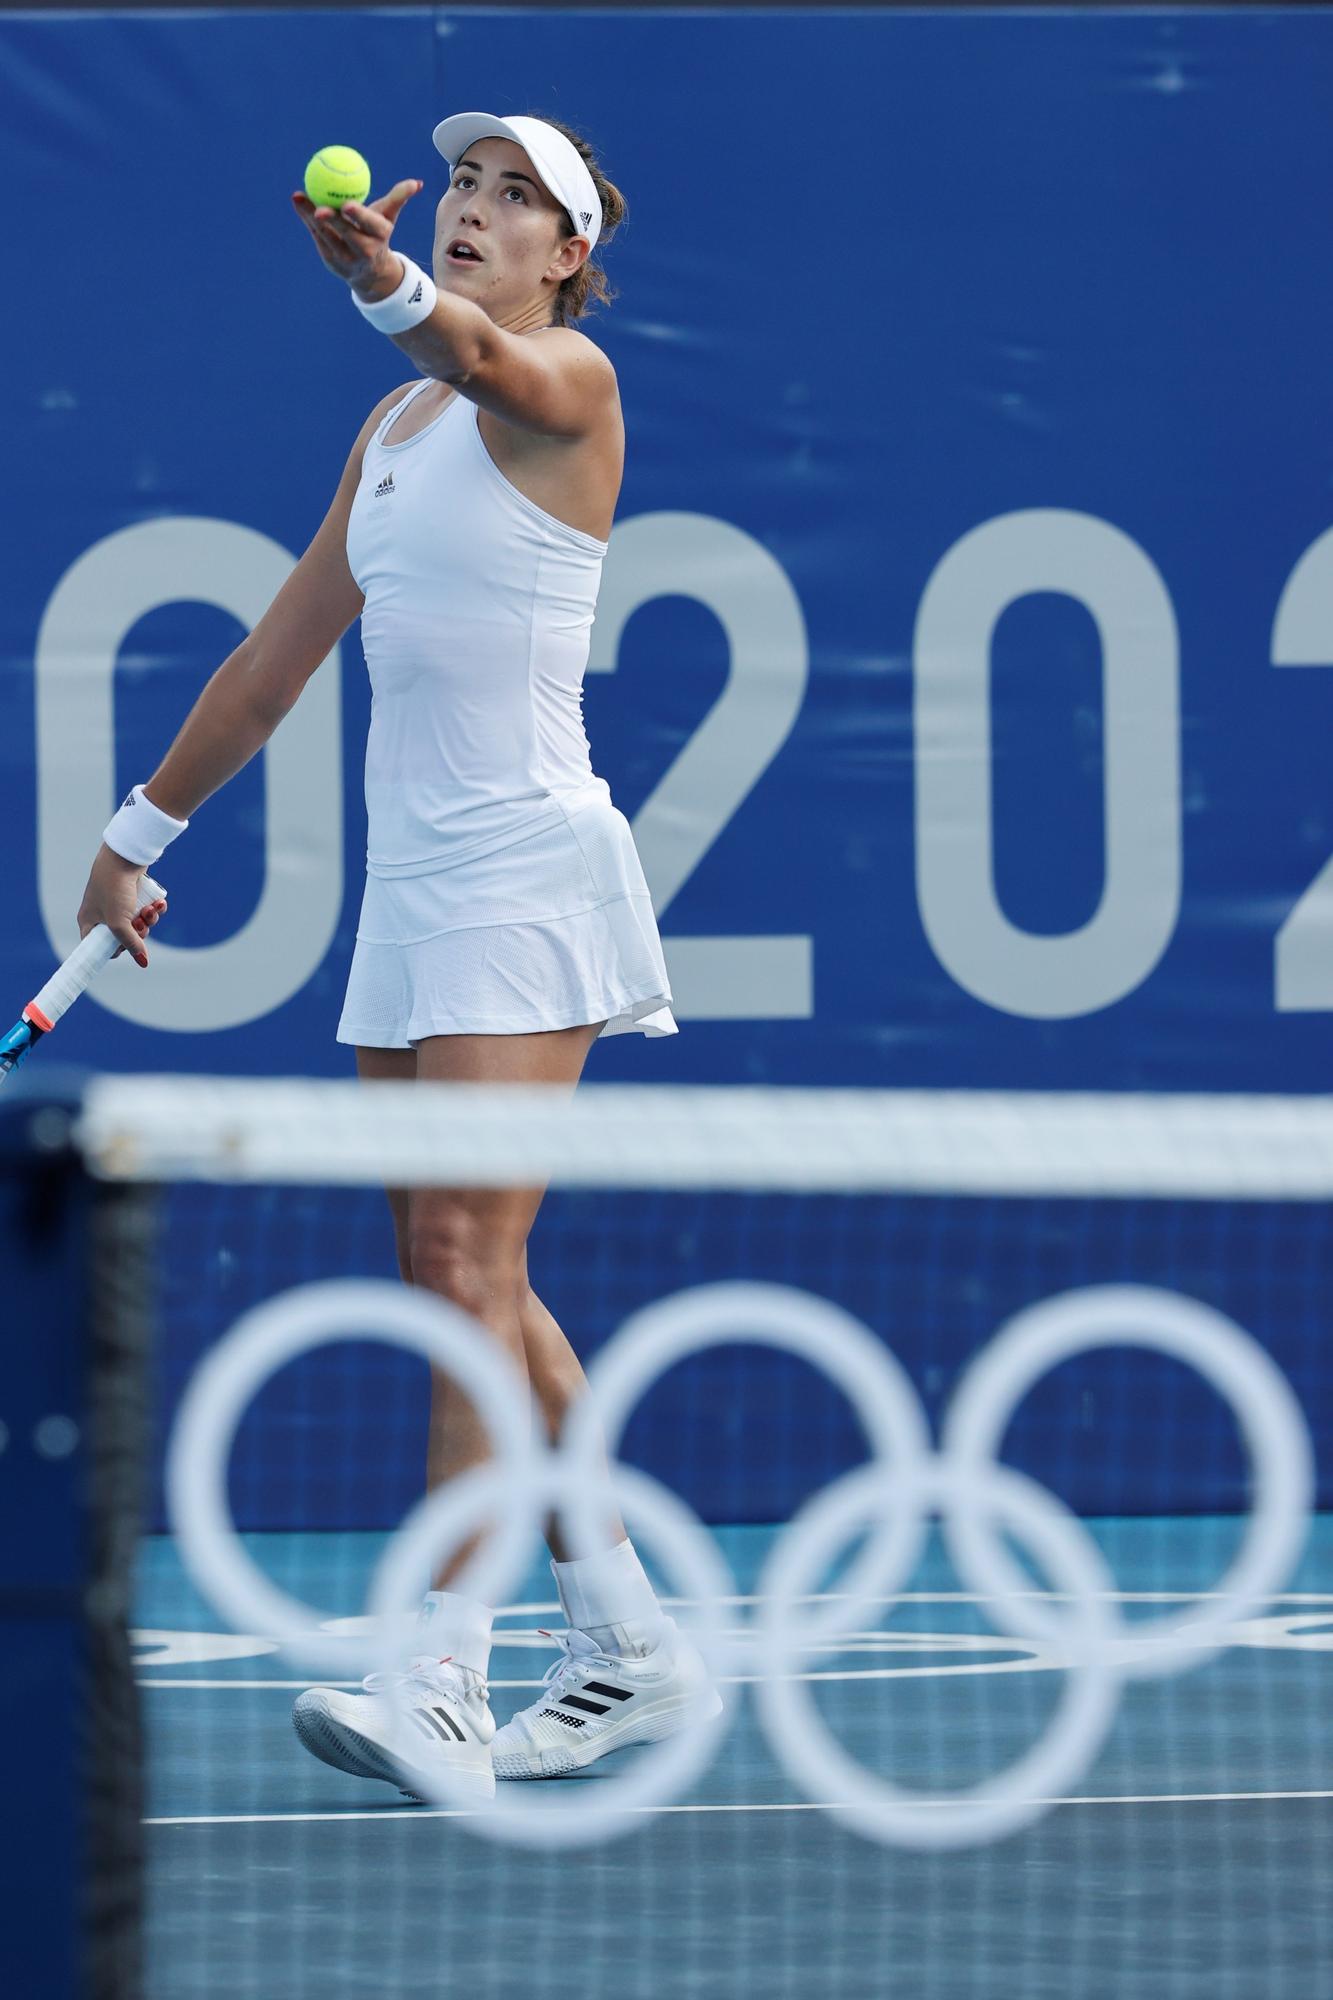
x,y
452,1251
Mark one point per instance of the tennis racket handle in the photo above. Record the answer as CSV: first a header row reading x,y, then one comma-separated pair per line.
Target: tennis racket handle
x,y
81,967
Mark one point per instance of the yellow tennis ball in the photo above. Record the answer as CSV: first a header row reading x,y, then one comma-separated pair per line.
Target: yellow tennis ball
x,y
335,175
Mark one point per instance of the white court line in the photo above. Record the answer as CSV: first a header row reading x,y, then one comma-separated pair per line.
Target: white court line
x,y
1021,1656
1025,1664
153,1681
1300,1632
408,1814
154,1639
975,1597
944,1597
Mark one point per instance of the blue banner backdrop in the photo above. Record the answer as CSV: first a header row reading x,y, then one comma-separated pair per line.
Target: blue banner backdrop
x,y
979,489
979,486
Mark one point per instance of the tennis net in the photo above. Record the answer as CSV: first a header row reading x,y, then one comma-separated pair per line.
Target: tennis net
x,y
976,1439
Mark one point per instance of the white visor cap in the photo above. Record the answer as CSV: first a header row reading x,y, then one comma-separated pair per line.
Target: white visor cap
x,y
560,165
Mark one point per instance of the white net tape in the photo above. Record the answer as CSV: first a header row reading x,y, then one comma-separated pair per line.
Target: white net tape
x,y
629,1136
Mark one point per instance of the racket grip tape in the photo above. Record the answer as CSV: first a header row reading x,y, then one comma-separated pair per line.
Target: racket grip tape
x,y
79,969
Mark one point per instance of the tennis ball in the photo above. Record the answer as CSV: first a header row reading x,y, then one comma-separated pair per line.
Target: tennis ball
x,y
335,175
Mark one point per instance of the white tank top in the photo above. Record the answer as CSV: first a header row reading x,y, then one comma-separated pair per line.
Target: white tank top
x,y
479,607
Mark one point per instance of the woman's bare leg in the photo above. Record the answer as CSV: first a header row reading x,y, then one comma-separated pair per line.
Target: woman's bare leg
x,y
558,1380
468,1245
392,1066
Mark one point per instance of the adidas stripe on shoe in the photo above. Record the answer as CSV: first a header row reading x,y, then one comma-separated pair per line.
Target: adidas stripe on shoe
x,y
440,1717
593,1703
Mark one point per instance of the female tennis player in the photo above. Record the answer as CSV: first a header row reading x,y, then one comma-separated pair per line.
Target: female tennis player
x,y
506,923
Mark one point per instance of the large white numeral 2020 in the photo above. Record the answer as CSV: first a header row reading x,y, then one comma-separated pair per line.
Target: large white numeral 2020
x,y
1077,555
284,941
748,591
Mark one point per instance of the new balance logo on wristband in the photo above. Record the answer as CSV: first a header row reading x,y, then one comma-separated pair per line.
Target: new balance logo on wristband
x,y
385,486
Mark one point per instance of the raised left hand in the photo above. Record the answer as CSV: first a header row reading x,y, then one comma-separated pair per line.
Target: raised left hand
x,y
354,240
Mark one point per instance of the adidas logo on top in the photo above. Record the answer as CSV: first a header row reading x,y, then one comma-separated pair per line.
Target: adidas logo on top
x,y
586,213
385,486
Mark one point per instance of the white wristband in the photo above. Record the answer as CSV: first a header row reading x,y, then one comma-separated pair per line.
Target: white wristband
x,y
413,301
140,830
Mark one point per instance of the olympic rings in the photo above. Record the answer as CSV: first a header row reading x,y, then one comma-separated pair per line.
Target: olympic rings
x,y
894,1496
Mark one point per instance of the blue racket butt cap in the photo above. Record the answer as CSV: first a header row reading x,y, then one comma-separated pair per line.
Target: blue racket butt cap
x,y
15,1045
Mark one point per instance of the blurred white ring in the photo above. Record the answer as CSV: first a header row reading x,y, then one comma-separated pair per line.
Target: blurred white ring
x,y
832,1341
231,1374
1236,1366
670,1531
802,1741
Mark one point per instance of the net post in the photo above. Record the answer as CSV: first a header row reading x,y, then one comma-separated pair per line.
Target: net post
x,y
72,1405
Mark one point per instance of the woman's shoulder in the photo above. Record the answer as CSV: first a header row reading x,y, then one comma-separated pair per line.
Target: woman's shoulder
x,y
394,397
578,342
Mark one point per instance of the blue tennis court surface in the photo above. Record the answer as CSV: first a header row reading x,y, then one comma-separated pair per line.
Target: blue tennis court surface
x,y
1193,1859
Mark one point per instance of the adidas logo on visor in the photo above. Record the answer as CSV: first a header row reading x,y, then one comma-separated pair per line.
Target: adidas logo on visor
x,y
586,213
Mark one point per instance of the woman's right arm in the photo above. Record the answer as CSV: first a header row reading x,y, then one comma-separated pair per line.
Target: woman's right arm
x,y
246,698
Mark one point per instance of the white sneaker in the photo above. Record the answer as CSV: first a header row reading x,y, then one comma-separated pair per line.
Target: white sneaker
x,y
594,1702
440,1718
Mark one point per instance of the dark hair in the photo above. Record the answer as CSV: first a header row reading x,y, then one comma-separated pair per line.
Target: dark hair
x,y
590,280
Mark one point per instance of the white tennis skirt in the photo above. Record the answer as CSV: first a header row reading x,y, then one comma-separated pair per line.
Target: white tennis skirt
x,y
555,930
